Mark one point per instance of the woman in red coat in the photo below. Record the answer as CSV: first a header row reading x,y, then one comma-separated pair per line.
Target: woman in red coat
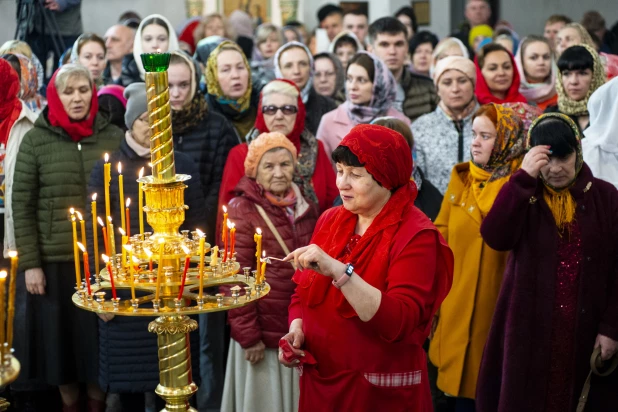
x,y
255,381
368,286
281,109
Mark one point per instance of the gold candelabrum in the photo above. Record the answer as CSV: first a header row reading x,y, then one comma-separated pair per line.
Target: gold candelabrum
x,y
9,365
171,289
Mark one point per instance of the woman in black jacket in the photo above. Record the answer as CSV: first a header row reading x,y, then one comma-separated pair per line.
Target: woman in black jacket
x,y
128,361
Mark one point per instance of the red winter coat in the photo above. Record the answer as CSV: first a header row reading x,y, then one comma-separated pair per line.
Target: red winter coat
x,y
267,320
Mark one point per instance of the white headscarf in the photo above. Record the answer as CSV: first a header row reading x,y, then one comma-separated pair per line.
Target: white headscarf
x,y
443,45
137,44
600,146
307,89
345,33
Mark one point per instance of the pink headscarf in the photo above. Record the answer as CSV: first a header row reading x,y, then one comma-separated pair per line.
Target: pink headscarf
x,y
535,92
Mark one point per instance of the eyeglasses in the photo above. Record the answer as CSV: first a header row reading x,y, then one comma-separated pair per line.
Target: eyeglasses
x,y
287,109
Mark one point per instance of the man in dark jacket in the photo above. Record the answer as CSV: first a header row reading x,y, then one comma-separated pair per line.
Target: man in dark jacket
x,y
119,43
416,95
477,12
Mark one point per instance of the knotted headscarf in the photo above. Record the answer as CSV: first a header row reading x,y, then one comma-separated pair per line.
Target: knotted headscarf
x,y
307,89
58,117
384,92
29,78
560,200
580,108
484,95
212,78
10,106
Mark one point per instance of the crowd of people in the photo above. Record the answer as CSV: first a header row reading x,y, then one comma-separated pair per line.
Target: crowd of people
x,y
445,207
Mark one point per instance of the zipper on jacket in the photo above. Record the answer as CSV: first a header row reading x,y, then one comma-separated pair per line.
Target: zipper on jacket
x,y
79,146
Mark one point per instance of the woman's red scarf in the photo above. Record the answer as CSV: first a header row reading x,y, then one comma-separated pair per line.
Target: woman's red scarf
x,y
10,105
386,156
483,94
58,117
299,125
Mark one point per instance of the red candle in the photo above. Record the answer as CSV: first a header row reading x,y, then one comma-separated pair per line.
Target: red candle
x,y
105,239
232,238
111,274
224,233
127,217
184,273
86,267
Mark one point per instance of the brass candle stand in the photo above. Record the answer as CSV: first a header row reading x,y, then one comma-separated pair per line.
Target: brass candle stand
x,y
157,289
9,370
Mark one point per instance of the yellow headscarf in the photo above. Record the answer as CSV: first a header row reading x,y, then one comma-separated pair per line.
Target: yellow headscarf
x,y
506,158
480,30
212,79
559,200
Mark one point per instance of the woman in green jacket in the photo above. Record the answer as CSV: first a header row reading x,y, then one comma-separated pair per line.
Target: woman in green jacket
x,y
53,165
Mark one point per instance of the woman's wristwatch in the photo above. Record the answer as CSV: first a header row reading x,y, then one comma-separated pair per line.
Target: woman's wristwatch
x,y
345,277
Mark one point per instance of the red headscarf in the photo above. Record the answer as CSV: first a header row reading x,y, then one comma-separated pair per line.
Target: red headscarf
x,y
299,126
58,117
386,155
483,94
10,106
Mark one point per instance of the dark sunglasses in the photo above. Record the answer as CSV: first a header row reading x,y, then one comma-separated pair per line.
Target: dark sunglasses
x,y
272,110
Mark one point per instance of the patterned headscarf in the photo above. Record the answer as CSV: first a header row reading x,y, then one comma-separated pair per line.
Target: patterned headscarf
x,y
560,200
29,78
307,89
384,92
580,108
212,78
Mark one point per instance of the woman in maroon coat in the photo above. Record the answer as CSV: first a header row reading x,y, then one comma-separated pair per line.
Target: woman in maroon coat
x,y
559,297
254,379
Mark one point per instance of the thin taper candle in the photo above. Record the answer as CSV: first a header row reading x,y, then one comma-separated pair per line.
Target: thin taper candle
x,y
78,277
140,202
82,227
105,238
95,234
132,283
184,273
111,274
11,308
3,276
128,217
201,270
123,222
160,268
86,267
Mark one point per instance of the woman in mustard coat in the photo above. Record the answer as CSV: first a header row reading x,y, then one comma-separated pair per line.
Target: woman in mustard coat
x,y
465,316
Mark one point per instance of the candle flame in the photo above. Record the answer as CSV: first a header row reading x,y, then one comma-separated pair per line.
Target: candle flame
x,y
72,211
122,232
100,221
141,172
148,253
230,224
119,168
135,260
3,274
200,233
105,258
161,240
224,209
158,50
186,250
79,216
81,247
259,231
94,197
263,253
109,218
12,254
128,248
106,157
128,203
73,218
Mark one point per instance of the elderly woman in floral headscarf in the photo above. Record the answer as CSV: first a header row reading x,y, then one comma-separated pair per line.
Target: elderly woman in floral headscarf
x,y
370,92
497,150
559,295
366,292
230,89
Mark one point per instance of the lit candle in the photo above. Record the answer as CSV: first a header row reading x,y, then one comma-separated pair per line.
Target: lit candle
x,y
112,240
105,238
160,266
184,273
86,267
214,257
128,217
201,270
82,227
3,276
224,233
123,223
111,274
78,277
149,254
131,282
263,270
232,227
125,240
257,238
11,309
107,177
140,202
94,233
